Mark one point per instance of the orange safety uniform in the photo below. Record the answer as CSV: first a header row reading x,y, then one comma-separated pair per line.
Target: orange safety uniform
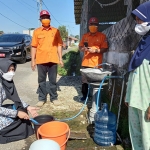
x,y
46,41
98,40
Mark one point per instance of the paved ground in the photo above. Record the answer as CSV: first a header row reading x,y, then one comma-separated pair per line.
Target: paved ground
x,y
26,84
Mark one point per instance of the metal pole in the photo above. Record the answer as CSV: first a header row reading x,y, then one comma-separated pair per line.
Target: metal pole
x,y
38,11
67,38
39,8
40,3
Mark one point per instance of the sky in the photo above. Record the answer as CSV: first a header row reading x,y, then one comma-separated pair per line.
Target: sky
x,y
19,15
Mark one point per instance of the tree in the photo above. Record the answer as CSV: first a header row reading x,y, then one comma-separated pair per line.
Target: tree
x,y
77,36
1,32
63,32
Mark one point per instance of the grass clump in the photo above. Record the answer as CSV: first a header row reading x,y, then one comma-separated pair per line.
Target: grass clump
x,y
72,63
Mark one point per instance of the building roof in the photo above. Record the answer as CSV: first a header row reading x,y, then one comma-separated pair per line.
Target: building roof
x,y
73,38
104,10
77,10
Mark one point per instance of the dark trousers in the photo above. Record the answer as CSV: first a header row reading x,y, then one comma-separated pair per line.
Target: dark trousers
x,y
49,69
84,89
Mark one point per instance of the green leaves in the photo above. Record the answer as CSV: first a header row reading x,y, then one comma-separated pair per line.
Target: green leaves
x,y
63,32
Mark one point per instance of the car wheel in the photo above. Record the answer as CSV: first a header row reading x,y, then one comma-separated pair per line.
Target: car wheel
x,y
24,58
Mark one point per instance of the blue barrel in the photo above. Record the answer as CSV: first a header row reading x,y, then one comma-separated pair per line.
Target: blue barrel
x,y
105,127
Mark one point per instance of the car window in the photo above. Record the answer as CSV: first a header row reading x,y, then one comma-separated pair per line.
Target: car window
x,y
11,38
29,37
26,38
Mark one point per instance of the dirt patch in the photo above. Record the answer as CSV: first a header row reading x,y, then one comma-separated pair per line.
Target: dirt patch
x,y
69,90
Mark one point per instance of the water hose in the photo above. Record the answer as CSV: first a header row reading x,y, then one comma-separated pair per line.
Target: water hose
x,y
100,87
67,119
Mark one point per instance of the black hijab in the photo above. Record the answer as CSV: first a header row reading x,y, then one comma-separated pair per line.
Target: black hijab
x,y
9,86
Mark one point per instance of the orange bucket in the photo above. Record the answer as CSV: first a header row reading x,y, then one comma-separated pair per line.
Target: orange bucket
x,y
55,130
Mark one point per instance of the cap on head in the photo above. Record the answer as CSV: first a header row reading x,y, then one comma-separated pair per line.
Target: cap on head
x,y
44,12
93,20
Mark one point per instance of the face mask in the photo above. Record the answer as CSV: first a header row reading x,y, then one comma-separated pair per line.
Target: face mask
x,y
142,28
46,22
93,29
8,76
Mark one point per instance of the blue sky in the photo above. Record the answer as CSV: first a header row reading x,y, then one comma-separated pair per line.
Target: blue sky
x,y
24,13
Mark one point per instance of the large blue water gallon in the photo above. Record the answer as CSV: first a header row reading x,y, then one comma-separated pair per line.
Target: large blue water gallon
x,y
105,127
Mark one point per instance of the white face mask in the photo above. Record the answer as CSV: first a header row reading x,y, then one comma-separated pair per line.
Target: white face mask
x,y
8,76
142,28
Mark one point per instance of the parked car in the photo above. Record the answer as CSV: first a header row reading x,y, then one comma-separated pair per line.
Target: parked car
x,y
15,46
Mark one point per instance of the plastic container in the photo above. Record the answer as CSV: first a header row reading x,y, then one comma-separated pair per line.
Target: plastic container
x,y
94,75
55,130
105,127
44,144
93,110
41,120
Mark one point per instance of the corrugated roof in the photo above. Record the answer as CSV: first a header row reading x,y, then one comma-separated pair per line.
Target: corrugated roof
x,y
77,10
111,13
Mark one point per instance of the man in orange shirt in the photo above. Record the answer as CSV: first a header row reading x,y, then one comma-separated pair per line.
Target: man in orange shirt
x,y
46,53
93,44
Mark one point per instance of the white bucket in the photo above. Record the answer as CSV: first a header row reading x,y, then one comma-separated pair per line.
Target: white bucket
x,y
44,144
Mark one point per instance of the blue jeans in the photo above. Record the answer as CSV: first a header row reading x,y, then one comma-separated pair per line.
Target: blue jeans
x,y
50,87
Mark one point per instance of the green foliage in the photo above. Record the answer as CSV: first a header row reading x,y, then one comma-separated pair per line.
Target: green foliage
x,y
72,63
63,32
77,36
1,32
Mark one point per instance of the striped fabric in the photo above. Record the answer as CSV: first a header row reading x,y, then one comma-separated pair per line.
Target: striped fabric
x,y
6,115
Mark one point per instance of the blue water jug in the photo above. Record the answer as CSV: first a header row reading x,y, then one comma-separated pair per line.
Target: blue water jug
x,y
105,127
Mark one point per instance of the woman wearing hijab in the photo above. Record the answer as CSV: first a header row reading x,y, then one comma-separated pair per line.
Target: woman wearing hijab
x,y
14,119
138,87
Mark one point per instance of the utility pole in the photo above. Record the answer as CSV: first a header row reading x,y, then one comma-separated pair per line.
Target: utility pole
x,y
67,38
39,8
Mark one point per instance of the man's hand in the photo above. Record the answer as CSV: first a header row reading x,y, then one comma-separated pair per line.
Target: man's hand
x,y
33,65
33,56
91,50
23,115
61,63
33,111
83,49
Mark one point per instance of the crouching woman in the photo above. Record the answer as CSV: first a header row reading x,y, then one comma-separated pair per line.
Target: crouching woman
x,y
14,119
